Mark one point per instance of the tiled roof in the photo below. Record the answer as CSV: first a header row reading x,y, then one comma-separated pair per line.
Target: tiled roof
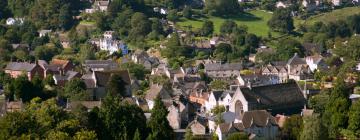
x,y
259,118
155,90
68,76
296,60
20,66
223,67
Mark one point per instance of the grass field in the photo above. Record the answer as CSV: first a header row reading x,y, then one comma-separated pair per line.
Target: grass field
x,y
338,14
255,20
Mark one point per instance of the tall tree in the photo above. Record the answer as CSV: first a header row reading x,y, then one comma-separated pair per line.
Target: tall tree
x,y
313,129
222,7
207,28
158,123
354,119
292,128
116,86
281,21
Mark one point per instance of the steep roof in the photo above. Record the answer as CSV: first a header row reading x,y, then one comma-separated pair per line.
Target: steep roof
x,y
156,90
285,94
20,66
223,67
102,77
296,60
259,118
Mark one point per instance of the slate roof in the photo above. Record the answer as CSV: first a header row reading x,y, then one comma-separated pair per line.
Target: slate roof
x,y
155,90
102,77
106,64
223,67
284,95
20,66
217,94
259,118
88,104
68,76
296,60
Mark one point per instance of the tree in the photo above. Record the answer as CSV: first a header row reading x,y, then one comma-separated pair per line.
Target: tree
x,y
86,53
75,89
85,135
228,27
281,21
158,123
116,86
292,128
238,136
137,135
187,12
287,48
313,129
65,18
354,23
140,26
354,119
207,28
188,134
218,85
46,52
222,7
221,52
136,70
172,15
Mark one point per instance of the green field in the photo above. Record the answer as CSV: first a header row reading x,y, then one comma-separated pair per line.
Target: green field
x,y
338,14
255,20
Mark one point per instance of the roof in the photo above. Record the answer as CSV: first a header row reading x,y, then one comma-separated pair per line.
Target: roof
x,y
59,62
89,82
311,48
20,66
106,64
87,104
102,77
156,90
259,118
279,95
67,77
296,60
217,94
223,67
16,46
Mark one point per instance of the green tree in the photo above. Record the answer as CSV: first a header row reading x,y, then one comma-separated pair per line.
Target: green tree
x,y
85,135
116,86
228,27
75,89
86,53
313,129
46,52
238,136
158,123
281,21
187,12
222,7
137,135
219,85
354,119
65,17
140,26
292,128
207,28
172,15
287,48
137,71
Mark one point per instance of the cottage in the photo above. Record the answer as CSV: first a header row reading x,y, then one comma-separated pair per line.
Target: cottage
x,y
257,80
89,105
13,21
198,126
312,49
316,62
309,5
225,129
142,57
260,123
56,66
218,98
223,71
43,33
157,90
280,98
97,81
24,47
62,78
336,2
100,65
110,44
101,5
16,69
178,114
283,4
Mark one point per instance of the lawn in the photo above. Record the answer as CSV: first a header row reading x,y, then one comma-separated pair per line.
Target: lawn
x,y
338,14
255,20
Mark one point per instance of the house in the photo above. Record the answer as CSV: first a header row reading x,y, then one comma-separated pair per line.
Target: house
x,y
336,2
283,4
101,5
62,78
13,106
309,5
160,10
56,66
142,57
64,41
100,65
223,71
357,67
24,47
178,114
43,33
97,81
223,130
260,123
257,80
203,45
316,62
279,71
227,117
200,98
16,69
13,21
216,40
284,98
218,98
89,105
110,44
154,91
198,126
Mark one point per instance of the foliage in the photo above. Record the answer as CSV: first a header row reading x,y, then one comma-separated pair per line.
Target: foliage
x,y
46,52
354,119
75,89
222,7
292,128
287,48
219,85
281,21
187,12
116,86
218,109
158,123
237,136
207,28
227,27
313,129
136,70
